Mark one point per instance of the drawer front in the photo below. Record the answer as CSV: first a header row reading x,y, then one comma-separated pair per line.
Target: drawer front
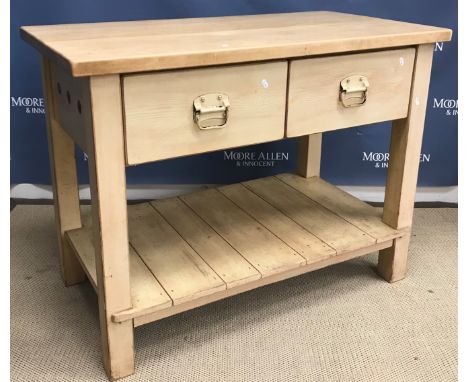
x,y
159,110
314,101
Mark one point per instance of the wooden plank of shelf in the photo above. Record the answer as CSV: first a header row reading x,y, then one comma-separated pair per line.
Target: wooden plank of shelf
x,y
222,258
259,246
144,319
147,294
353,210
299,239
179,269
329,227
81,241
188,250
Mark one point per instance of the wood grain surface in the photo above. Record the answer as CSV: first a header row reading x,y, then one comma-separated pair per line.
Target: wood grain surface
x,y
123,47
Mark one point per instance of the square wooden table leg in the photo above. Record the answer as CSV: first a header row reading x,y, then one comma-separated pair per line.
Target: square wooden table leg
x,y
109,211
64,184
309,155
405,149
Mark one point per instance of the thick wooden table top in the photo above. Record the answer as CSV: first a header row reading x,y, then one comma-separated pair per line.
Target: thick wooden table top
x,y
135,46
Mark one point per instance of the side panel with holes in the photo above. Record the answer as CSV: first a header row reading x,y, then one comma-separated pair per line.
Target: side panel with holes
x,y
72,110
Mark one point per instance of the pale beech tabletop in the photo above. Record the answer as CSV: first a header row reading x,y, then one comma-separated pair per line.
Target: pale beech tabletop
x,y
135,46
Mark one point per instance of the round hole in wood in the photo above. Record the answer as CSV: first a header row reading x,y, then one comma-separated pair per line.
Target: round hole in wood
x,y
78,106
68,97
59,88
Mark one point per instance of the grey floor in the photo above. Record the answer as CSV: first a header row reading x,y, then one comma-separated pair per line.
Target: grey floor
x,y
339,324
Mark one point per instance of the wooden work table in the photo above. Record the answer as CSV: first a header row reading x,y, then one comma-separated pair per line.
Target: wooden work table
x,y
134,92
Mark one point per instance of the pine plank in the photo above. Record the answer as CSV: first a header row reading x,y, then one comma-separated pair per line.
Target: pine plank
x,y
221,242
256,244
146,292
124,47
353,210
222,258
333,230
81,240
299,239
180,270
146,318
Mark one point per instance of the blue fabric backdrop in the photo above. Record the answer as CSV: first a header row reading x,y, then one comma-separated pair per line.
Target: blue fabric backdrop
x,y
350,157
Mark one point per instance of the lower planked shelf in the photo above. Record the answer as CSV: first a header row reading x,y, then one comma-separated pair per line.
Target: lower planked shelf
x,y
198,248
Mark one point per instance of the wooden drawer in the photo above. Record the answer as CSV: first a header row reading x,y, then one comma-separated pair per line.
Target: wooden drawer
x,y
314,103
159,109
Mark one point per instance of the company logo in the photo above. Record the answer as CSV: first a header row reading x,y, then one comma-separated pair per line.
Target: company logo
x,y
31,105
450,106
380,160
254,159
438,47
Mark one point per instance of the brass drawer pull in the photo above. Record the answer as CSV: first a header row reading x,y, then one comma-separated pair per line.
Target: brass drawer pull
x,y
354,90
210,111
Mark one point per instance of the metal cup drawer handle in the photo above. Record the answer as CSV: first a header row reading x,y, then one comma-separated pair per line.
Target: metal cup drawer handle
x,y
211,111
353,90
